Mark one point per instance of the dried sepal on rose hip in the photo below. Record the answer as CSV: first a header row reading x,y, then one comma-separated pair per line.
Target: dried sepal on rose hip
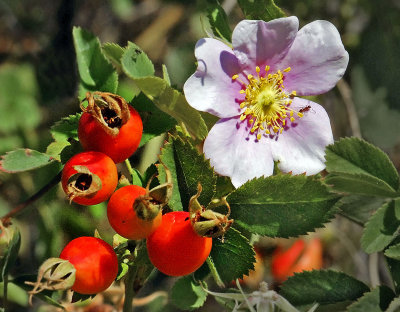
x,y
89,178
54,274
135,212
109,125
207,222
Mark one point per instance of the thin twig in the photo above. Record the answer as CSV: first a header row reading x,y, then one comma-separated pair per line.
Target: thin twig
x,y
373,266
345,92
18,209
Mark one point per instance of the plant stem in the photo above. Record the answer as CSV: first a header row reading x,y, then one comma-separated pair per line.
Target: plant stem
x,y
18,209
5,291
345,92
129,289
130,169
214,273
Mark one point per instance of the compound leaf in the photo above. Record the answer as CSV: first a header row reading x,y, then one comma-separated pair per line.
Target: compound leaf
x,y
282,205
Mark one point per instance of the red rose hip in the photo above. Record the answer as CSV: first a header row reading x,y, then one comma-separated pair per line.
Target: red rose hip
x,y
89,178
95,262
175,248
109,125
124,218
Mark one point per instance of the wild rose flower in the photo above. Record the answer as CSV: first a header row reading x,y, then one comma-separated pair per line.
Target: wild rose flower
x,y
253,88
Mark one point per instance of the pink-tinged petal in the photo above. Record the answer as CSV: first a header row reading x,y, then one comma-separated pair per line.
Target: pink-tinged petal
x,y
259,43
301,148
233,153
211,88
317,59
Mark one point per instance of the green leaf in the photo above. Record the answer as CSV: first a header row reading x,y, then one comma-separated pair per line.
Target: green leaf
x,y
186,294
173,103
95,72
63,131
223,187
135,63
66,128
114,53
359,208
233,256
394,305
282,205
381,228
10,254
393,252
188,168
166,74
155,122
219,21
376,300
260,9
192,168
23,160
324,287
168,158
358,167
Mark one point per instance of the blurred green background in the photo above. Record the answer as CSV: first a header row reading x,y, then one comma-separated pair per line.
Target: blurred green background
x,y
38,86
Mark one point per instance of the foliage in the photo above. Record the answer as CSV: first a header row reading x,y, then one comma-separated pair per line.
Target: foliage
x,y
361,182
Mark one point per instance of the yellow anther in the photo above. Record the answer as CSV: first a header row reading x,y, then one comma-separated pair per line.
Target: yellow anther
x,y
265,106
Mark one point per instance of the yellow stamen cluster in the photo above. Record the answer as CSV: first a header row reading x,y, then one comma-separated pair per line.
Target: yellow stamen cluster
x,y
266,104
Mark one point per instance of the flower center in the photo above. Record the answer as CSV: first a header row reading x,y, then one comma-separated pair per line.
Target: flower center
x,y
266,105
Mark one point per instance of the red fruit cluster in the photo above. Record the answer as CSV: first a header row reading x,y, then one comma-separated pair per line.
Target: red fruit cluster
x,y
110,131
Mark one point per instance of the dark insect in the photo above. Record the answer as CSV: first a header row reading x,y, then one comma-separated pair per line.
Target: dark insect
x,y
305,109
